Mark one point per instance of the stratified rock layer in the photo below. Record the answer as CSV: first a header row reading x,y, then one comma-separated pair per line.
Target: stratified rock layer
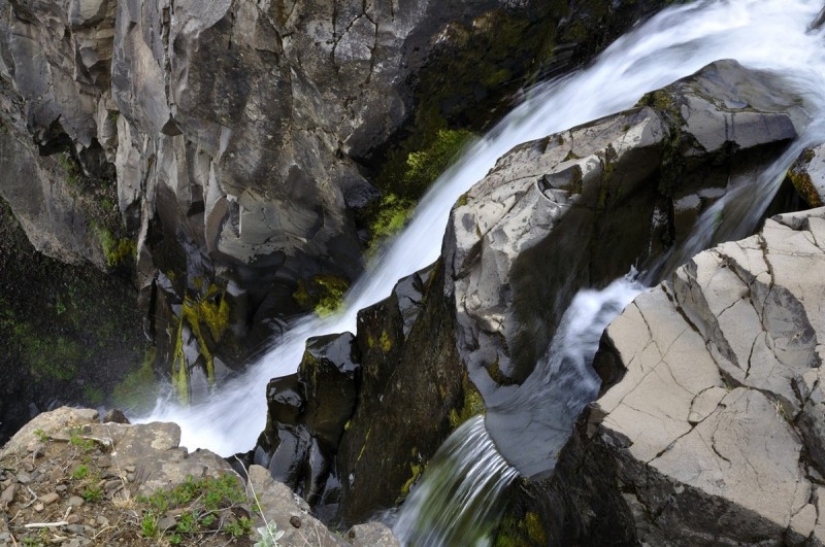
x,y
714,435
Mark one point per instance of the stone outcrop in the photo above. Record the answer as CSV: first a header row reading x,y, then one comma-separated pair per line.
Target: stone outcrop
x,y
353,429
714,434
53,463
495,298
622,191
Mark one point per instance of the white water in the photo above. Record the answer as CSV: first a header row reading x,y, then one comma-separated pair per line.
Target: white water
x,y
457,501
765,34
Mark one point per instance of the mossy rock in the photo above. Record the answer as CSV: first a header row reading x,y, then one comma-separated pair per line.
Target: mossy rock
x,y
69,334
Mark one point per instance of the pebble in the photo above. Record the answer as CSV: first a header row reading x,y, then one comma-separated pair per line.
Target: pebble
x,y
23,478
78,529
102,521
130,477
165,523
75,501
73,519
39,507
50,498
295,521
130,468
61,488
104,461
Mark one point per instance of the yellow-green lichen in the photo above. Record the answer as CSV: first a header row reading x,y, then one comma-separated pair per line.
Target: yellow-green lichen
x,y
385,341
323,294
416,469
527,531
207,317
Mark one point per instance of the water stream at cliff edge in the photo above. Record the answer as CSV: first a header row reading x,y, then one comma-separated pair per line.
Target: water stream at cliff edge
x,y
762,34
458,500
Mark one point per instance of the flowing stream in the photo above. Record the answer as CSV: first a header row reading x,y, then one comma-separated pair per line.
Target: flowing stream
x,y
764,34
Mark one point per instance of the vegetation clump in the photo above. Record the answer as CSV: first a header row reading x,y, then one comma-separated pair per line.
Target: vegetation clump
x,y
198,507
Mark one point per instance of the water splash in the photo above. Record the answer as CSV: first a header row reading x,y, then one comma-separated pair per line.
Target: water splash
x,y
455,502
762,34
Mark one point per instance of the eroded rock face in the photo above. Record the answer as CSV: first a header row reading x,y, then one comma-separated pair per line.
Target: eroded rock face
x,y
374,405
714,435
233,128
580,208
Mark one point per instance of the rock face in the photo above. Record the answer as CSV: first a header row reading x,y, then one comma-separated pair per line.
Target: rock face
x,y
236,139
620,191
53,463
353,428
649,171
808,175
714,435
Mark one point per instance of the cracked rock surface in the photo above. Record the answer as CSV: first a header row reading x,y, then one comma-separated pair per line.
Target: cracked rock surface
x,y
714,436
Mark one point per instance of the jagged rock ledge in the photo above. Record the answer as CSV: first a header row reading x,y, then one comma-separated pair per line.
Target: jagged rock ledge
x,y
715,433
68,479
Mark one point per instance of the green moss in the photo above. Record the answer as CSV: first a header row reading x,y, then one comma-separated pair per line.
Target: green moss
x,y
72,171
93,395
523,532
117,251
660,100
801,180
322,293
472,405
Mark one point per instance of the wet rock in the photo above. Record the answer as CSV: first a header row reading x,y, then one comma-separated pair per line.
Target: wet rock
x,y
645,174
308,412
808,175
372,534
719,413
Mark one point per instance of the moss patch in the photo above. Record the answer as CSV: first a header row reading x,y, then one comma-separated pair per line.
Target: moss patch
x,y
68,334
323,294
801,180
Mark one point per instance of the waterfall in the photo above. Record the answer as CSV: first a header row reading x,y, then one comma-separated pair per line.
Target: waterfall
x,y
535,421
456,501
763,34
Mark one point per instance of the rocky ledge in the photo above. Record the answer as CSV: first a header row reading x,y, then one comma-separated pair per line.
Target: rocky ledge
x,y
714,435
68,479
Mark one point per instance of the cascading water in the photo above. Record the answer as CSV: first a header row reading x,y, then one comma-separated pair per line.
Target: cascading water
x,y
540,413
456,501
764,34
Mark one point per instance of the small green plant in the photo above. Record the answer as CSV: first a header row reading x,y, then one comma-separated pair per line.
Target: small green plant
x,y
81,472
92,494
149,525
41,435
86,445
269,535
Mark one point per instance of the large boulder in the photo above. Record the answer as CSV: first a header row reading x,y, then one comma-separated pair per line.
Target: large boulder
x,y
622,191
714,434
